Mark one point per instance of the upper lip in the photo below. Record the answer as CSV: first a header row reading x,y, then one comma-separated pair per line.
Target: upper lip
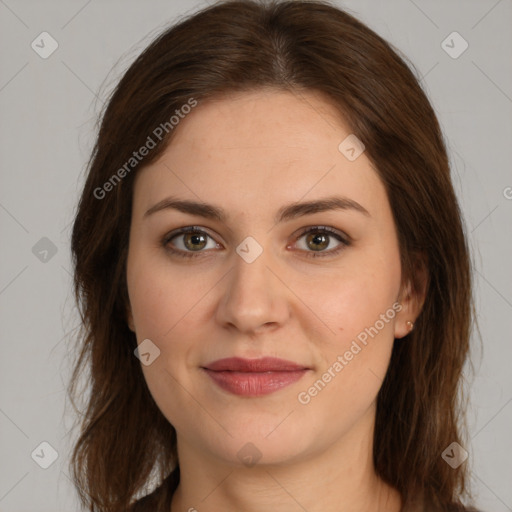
x,y
264,364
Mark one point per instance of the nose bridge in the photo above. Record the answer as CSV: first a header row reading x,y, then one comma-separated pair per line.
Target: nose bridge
x,y
252,297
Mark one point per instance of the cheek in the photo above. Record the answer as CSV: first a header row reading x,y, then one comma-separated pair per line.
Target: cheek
x,y
355,296
160,296
165,303
161,315
360,308
353,365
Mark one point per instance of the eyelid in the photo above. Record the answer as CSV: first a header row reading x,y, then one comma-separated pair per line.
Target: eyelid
x,y
342,237
328,229
183,231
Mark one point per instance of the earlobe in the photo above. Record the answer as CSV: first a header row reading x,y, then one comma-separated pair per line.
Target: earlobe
x,y
404,330
404,323
404,326
412,298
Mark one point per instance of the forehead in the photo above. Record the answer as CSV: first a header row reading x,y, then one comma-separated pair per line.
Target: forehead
x,y
258,149
264,121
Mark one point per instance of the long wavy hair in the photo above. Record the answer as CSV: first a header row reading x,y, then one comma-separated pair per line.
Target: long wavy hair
x,y
124,439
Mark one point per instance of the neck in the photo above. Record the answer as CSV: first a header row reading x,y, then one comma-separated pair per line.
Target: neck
x,y
341,478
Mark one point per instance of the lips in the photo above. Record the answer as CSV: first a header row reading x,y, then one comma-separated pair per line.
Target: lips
x,y
265,364
254,377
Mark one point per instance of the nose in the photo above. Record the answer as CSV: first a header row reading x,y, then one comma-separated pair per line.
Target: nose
x,y
255,298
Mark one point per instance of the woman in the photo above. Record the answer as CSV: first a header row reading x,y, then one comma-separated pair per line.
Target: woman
x,y
272,274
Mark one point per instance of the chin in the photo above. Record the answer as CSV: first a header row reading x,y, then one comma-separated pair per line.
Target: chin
x,y
250,448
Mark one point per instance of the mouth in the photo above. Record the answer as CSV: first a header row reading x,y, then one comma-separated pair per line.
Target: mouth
x,y
254,377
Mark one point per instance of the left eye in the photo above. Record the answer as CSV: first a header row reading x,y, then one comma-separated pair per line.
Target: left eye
x,y
193,240
319,238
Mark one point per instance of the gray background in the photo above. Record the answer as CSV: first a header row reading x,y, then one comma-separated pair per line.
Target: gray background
x,y
48,110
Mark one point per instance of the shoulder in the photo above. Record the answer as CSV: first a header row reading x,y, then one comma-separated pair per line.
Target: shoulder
x,y
452,508
427,504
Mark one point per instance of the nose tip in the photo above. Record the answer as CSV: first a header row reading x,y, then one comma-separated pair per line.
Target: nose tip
x,y
253,299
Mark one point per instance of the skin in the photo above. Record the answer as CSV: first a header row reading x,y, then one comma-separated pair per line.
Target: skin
x,y
252,153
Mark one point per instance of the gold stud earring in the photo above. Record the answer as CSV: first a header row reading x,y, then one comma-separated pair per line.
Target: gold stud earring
x,y
410,325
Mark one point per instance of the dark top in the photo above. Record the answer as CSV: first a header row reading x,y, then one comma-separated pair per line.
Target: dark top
x,y
160,499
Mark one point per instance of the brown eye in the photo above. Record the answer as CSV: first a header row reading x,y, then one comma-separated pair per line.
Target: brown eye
x,y
317,241
194,241
187,241
318,238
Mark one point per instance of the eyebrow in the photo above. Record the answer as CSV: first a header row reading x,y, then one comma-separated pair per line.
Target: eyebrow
x,y
285,213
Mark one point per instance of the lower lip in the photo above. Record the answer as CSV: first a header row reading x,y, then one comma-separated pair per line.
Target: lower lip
x,y
254,383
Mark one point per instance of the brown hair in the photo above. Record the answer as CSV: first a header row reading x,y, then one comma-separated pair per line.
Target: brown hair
x,y
289,45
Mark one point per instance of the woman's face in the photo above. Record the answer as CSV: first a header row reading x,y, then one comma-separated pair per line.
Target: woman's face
x,y
264,281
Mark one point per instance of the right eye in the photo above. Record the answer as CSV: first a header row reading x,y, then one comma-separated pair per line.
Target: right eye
x,y
192,240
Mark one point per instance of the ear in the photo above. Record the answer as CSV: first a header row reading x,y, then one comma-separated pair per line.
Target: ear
x,y
412,296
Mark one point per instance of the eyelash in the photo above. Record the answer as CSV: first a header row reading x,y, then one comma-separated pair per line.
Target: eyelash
x,y
310,254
